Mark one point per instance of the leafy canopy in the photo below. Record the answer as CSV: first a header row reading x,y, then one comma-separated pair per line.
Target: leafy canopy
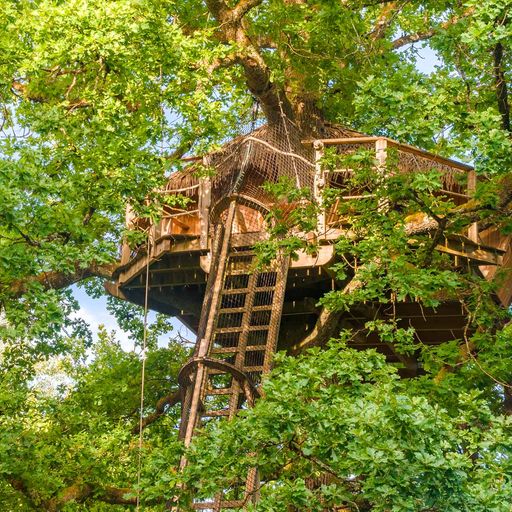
x,y
98,102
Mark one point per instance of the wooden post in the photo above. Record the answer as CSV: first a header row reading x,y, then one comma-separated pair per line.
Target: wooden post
x,y
128,222
471,189
318,187
205,197
381,155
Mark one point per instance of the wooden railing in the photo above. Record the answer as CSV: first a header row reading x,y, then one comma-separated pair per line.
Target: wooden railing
x,y
174,222
381,145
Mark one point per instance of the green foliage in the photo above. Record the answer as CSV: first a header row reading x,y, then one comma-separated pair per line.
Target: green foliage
x,y
95,96
383,444
293,215
72,424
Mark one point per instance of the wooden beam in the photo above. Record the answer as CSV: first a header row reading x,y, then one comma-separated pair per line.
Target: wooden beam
x,y
318,187
205,197
471,188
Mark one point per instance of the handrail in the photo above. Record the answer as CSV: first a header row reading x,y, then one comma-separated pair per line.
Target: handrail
x,y
177,190
179,214
405,147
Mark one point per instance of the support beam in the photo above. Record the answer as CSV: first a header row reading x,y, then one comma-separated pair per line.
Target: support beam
x,y
471,188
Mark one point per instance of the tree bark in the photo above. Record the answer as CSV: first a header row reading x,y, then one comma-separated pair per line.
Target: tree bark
x,y
501,86
233,29
160,409
58,280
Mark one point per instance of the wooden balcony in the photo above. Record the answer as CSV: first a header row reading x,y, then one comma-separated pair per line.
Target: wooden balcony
x,y
180,244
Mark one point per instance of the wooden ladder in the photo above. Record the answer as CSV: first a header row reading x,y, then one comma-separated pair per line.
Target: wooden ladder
x,y
236,341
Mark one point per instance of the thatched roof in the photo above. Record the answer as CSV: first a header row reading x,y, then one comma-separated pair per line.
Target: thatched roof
x,y
265,154
271,152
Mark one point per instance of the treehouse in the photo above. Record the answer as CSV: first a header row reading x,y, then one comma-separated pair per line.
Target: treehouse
x,y
201,266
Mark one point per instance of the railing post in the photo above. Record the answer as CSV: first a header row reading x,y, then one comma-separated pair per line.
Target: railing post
x,y
205,197
381,154
318,186
128,223
471,189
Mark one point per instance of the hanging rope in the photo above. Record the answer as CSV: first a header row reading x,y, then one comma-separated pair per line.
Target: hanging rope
x,y
143,373
145,321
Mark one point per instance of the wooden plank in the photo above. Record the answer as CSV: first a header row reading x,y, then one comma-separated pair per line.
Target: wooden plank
x,y
477,256
205,198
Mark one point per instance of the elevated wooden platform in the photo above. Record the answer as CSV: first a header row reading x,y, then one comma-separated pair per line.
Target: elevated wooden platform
x,y
200,265
180,248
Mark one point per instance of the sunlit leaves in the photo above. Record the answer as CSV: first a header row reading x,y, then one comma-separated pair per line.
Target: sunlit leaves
x,y
343,414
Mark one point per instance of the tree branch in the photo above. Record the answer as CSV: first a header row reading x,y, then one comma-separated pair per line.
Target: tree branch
x,y
58,280
501,86
160,409
78,493
18,484
233,29
387,13
327,324
243,7
427,34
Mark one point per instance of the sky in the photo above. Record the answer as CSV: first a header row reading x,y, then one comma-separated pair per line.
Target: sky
x,y
95,313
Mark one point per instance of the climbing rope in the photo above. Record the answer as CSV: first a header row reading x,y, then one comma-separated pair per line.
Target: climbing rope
x,y
145,321
143,374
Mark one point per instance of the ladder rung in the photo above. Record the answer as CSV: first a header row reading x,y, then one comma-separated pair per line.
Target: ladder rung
x,y
214,371
224,350
223,330
232,291
264,288
235,291
219,391
238,272
232,350
215,414
232,310
255,348
253,368
267,307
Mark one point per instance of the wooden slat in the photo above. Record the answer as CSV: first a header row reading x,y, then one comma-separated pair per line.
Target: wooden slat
x,y
244,309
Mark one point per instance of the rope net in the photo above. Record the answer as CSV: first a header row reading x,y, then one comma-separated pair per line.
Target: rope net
x,y
270,153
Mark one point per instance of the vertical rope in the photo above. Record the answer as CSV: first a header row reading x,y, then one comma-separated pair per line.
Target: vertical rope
x,y
145,321
143,374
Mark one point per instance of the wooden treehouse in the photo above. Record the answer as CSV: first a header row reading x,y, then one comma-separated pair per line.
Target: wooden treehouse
x,y
201,269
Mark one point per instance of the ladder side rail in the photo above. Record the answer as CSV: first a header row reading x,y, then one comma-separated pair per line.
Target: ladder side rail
x,y
203,343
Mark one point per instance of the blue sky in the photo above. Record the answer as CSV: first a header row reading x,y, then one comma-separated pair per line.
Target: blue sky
x,y
95,313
